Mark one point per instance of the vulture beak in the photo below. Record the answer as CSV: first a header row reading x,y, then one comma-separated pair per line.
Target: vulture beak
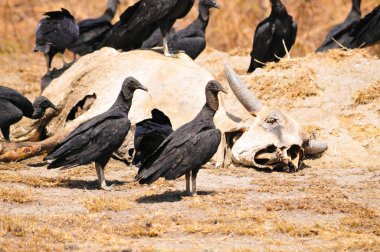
x,y
143,88
216,5
224,90
51,105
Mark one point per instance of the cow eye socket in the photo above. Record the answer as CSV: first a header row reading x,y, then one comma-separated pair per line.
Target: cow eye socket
x,y
271,120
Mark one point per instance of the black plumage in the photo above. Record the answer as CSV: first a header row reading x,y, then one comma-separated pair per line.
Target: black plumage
x,y
139,21
13,106
55,33
149,135
188,148
92,31
366,32
96,139
192,39
270,36
341,33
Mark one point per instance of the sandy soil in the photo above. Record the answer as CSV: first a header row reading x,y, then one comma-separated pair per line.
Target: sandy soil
x,y
332,204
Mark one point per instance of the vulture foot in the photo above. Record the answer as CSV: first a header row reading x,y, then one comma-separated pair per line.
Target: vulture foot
x,y
104,186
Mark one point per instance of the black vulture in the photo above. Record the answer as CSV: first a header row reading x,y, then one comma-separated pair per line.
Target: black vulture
x,y
366,32
188,148
96,139
13,106
55,33
149,135
271,36
192,39
341,32
139,21
92,31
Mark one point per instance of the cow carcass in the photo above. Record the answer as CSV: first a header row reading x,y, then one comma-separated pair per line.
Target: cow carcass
x,y
265,137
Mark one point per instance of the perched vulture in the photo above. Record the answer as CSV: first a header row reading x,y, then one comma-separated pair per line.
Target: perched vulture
x,y
188,148
366,32
55,33
96,139
92,31
192,39
13,106
149,135
272,35
341,32
139,21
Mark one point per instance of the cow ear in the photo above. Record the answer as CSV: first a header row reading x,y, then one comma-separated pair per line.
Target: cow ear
x,y
314,147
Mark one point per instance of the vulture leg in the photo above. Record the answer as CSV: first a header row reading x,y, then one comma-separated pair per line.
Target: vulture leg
x,y
65,63
166,46
102,181
5,131
194,181
188,183
48,62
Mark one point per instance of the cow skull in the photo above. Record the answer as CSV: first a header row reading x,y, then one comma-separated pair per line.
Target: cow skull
x,y
271,138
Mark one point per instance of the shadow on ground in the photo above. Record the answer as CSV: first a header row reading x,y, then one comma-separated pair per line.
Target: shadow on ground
x,y
169,196
88,185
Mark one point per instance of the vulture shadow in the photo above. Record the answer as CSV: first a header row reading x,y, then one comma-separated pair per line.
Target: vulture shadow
x,y
88,185
54,74
169,196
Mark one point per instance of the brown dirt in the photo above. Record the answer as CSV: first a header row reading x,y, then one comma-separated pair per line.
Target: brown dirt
x,y
331,205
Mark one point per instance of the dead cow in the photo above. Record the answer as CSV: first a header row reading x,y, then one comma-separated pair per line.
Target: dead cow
x,y
268,138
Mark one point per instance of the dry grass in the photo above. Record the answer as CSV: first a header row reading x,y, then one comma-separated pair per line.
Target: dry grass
x,y
368,95
15,195
287,85
34,181
327,204
226,213
230,28
100,204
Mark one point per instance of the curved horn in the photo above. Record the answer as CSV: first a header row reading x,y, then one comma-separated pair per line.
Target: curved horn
x,y
314,147
242,93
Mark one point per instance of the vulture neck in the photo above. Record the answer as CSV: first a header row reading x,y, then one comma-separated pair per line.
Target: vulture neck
x,y
278,8
211,106
355,10
123,102
110,11
203,16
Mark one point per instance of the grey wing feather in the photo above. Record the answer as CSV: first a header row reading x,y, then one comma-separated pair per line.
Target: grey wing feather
x,y
151,11
176,159
17,99
91,145
9,113
82,128
263,39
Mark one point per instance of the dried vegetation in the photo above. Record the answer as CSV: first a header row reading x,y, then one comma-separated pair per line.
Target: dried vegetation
x,y
237,208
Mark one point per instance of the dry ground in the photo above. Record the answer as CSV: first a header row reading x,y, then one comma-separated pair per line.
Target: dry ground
x,y
332,204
